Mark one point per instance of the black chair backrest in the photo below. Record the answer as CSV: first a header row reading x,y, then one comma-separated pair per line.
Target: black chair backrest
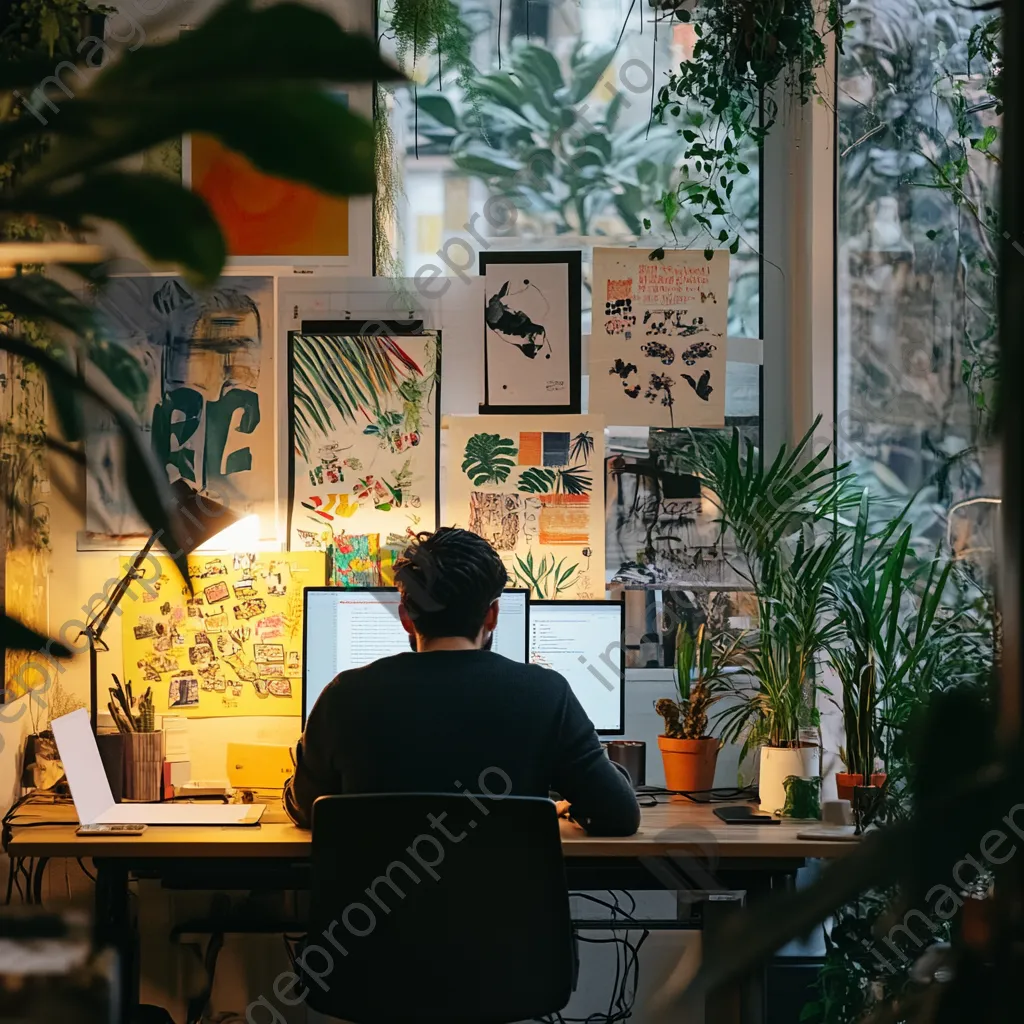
x,y
437,907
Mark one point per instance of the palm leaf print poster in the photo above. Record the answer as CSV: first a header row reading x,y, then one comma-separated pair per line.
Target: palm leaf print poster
x,y
364,448
533,487
658,338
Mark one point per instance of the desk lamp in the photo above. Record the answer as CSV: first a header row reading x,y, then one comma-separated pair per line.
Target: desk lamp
x,y
201,521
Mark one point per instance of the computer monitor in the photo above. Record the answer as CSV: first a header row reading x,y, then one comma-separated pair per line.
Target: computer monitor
x,y
584,641
347,628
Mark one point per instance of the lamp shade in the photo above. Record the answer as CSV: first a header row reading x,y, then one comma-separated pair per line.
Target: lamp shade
x,y
200,518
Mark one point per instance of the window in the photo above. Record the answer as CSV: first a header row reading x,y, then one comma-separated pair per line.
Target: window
x,y
918,138
556,122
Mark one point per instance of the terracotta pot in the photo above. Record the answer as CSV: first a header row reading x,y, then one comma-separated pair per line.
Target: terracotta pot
x,y
847,781
777,764
689,764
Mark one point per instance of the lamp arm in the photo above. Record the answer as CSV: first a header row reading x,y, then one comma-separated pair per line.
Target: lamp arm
x,y
98,623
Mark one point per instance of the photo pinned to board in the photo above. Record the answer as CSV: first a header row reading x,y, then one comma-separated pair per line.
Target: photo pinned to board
x,y
659,335
531,332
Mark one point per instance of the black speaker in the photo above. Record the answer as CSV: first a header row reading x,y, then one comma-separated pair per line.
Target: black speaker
x,y
111,746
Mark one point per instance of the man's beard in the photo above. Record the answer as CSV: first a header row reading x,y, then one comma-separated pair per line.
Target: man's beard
x,y
486,646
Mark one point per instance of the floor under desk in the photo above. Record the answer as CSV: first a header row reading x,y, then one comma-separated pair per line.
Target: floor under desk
x,y
681,847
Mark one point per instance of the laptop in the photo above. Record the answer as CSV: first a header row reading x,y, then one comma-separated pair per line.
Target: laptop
x,y
94,801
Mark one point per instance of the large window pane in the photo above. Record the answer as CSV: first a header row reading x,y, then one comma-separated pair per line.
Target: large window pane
x,y
918,137
564,134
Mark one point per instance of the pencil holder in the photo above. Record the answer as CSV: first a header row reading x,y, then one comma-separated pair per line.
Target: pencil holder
x,y
143,765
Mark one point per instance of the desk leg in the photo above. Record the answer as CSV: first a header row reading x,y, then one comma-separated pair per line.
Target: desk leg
x,y
115,927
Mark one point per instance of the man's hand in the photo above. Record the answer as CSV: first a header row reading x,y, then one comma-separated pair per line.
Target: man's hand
x,y
562,807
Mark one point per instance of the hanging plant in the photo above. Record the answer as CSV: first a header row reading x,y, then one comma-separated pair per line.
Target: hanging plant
x,y
432,28
723,97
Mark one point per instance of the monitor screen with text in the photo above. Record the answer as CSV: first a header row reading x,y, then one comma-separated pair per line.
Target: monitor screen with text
x,y
582,640
349,628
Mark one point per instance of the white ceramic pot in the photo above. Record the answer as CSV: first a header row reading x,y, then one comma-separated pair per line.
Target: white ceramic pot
x,y
777,764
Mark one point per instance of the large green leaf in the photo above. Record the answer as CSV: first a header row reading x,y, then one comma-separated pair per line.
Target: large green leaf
x,y
168,222
237,43
147,484
587,68
293,131
19,637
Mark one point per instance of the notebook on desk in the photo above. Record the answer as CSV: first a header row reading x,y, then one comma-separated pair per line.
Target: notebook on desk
x,y
94,802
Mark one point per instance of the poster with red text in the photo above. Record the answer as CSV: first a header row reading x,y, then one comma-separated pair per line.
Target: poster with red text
x,y
658,337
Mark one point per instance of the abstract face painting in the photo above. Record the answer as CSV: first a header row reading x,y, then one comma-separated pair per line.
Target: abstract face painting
x,y
531,331
206,404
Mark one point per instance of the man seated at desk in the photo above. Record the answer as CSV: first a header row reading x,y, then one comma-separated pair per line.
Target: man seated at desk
x,y
453,711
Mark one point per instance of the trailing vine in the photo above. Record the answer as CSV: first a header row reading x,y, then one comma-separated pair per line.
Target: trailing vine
x,y
726,94
423,28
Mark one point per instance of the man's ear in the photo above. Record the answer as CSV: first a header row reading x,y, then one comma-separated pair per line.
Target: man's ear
x,y
407,623
491,618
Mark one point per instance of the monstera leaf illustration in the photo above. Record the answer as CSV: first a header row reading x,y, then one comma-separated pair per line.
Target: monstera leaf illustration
x,y
489,458
537,481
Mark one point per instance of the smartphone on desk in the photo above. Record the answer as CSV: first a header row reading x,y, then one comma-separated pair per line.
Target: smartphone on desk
x,y
110,830
743,814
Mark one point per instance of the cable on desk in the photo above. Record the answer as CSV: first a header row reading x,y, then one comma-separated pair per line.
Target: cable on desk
x,y
37,881
648,795
88,874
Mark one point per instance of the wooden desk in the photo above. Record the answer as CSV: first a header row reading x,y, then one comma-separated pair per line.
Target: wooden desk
x,y
680,846
666,830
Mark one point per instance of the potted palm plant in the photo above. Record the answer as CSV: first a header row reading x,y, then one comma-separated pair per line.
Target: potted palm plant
x,y
778,532
688,753
892,637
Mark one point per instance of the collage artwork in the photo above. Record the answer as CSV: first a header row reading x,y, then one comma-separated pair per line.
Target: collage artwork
x,y
233,646
658,352
534,493
364,431
370,460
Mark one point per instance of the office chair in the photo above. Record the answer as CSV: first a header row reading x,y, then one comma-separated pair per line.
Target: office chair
x,y
437,907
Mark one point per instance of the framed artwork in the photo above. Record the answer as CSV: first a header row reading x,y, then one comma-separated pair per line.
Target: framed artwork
x,y
532,487
233,646
206,404
531,327
363,444
273,221
658,338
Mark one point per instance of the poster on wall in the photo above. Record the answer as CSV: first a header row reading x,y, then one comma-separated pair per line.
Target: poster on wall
x,y
233,646
363,438
532,487
531,332
202,377
263,216
658,338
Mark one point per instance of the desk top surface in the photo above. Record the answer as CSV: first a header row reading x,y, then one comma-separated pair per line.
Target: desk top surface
x,y
667,829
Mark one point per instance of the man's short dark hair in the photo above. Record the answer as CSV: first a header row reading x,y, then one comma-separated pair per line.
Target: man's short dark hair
x,y
448,580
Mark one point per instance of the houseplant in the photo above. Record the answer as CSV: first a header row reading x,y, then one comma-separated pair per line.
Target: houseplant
x,y
260,81
688,753
780,532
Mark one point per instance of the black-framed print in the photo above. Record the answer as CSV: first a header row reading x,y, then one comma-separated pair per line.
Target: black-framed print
x,y
531,332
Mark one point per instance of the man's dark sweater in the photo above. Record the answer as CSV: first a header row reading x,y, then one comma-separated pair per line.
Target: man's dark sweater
x,y
445,721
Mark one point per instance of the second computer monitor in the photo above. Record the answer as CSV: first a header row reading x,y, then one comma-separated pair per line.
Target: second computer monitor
x,y
583,641
347,628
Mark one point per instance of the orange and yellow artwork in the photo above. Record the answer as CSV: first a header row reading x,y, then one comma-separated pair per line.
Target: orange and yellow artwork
x,y
261,215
